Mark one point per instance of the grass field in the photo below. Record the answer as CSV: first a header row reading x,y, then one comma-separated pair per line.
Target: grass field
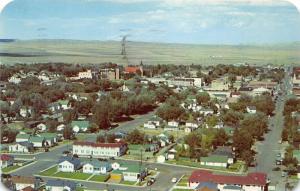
x,y
100,178
71,51
10,168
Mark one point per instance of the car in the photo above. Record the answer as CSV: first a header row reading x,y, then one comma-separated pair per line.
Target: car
x,y
174,180
151,181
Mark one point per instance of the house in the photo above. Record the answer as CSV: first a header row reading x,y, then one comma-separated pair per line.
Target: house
x,y
22,137
21,147
50,138
68,164
80,126
6,160
60,185
130,172
54,107
37,141
65,104
99,150
251,182
260,91
173,123
206,111
25,112
163,139
225,151
41,127
21,182
171,154
60,127
214,161
95,166
191,123
153,123
251,109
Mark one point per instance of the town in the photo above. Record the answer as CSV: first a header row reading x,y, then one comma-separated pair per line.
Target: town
x,y
148,127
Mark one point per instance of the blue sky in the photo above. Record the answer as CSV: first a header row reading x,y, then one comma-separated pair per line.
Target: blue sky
x,y
174,21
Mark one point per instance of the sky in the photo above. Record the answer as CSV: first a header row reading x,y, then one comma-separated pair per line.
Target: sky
x,y
171,21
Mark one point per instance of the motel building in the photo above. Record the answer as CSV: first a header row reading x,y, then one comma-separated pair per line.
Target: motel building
x,y
252,182
98,150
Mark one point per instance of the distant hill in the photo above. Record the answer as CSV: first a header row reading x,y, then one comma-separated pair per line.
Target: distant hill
x,y
7,40
77,51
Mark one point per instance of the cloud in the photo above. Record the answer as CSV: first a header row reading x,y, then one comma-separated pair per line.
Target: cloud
x,y
4,3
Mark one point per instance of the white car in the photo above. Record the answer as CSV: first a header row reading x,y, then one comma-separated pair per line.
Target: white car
x,y
174,180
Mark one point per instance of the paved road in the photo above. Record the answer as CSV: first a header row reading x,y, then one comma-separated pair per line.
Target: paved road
x,y
269,148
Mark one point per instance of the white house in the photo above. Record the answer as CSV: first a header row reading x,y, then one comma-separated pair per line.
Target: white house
x,y
149,125
99,150
68,164
259,91
60,127
42,127
21,147
173,123
95,166
16,79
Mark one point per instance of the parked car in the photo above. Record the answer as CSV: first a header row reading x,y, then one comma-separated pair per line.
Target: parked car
x,y
151,181
174,180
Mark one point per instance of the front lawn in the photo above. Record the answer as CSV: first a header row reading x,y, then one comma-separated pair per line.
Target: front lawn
x,y
182,189
49,172
183,181
100,178
10,168
128,182
73,175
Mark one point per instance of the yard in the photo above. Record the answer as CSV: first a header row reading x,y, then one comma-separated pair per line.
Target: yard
x,y
49,172
10,168
74,175
183,181
100,178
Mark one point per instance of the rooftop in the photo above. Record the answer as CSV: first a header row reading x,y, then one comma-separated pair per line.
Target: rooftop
x,y
257,178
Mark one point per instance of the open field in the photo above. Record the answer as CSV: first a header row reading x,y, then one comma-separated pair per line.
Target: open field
x,y
71,51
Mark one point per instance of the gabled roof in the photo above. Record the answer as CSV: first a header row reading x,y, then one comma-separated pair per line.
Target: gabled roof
x,y
36,139
72,160
258,179
61,183
97,163
26,144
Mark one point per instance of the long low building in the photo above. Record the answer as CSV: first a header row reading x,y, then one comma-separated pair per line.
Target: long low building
x,y
99,150
252,182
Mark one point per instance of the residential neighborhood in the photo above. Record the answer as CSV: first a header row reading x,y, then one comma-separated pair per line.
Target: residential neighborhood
x,y
148,95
